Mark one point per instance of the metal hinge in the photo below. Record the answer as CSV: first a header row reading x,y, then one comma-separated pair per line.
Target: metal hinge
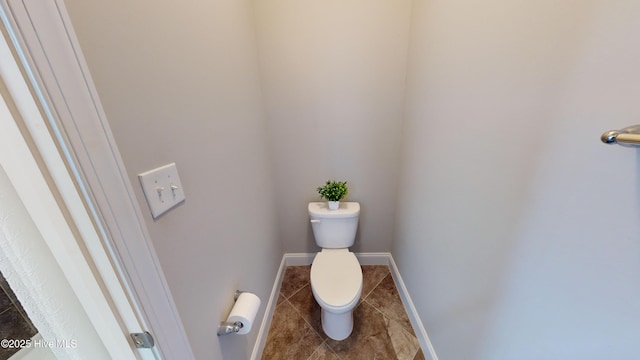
x,y
143,340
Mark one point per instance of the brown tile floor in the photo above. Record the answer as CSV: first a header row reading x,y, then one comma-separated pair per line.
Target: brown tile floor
x,y
381,328
14,322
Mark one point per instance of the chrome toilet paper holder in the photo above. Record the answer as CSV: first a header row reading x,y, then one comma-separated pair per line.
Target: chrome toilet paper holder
x,y
227,327
629,136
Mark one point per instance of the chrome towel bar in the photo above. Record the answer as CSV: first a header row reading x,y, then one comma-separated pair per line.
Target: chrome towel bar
x,y
629,136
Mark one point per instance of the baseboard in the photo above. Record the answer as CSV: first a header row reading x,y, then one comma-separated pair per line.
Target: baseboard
x,y
418,327
256,354
302,259
298,259
373,258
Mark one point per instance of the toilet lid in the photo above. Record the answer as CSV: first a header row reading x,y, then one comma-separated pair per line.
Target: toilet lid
x,y
336,276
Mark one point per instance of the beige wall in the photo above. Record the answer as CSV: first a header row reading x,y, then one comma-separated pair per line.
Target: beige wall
x,y
492,175
179,83
517,230
333,77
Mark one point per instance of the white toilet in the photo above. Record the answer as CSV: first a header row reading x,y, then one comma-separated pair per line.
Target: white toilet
x,y
336,275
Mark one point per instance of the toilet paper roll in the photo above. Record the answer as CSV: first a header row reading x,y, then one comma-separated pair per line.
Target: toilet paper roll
x,y
244,311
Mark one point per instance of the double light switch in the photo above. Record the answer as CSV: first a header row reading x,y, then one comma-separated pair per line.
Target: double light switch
x,y
162,188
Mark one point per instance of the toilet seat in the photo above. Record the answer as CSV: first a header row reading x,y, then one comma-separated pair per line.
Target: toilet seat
x,y
336,279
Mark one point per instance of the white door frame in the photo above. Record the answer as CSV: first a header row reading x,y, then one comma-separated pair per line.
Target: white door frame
x,y
50,56
33,218
40,253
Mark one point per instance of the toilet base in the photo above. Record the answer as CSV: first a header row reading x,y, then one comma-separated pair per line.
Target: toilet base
x,y
337,326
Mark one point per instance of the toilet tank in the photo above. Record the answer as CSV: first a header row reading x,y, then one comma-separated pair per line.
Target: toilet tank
x,y
334,229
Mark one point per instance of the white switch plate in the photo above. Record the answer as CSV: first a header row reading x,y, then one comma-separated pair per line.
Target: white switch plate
x,y
162,188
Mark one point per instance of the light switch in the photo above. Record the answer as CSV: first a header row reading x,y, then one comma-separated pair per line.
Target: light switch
x,y
162,188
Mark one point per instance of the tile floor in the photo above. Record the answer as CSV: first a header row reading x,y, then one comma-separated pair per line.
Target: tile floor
x,y
14,322
381,329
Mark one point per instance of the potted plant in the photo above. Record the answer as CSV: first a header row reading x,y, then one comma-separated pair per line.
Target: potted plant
x,y
333,192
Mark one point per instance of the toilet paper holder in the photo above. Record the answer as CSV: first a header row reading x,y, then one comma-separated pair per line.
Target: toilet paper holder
x,y
629,136
227,327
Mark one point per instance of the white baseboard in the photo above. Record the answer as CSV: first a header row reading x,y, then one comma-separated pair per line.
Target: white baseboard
x,y
298,259
418,327
256,354
302,259
373,258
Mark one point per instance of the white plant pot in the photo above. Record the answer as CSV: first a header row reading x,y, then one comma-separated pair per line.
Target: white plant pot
x,y
334,205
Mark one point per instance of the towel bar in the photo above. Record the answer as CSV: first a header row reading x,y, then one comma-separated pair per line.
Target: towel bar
x,y
629,136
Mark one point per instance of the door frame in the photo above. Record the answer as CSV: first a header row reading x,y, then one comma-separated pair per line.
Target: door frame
x,y
51,60
42,239
42,257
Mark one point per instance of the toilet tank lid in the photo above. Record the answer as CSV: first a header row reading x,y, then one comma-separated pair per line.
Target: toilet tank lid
x,y
346,210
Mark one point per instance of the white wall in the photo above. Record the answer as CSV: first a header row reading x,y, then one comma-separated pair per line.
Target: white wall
x,y
333,76
517,230
179,84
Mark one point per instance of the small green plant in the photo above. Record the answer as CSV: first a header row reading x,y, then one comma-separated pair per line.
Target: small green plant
x,y
333,190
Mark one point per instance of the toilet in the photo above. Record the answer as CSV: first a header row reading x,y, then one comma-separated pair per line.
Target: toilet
x,y
336,275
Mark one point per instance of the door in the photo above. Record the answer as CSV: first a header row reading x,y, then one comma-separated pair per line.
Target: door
x,y
87,169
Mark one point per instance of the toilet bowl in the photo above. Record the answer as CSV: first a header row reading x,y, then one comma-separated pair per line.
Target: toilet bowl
x,y
336,275
336,283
